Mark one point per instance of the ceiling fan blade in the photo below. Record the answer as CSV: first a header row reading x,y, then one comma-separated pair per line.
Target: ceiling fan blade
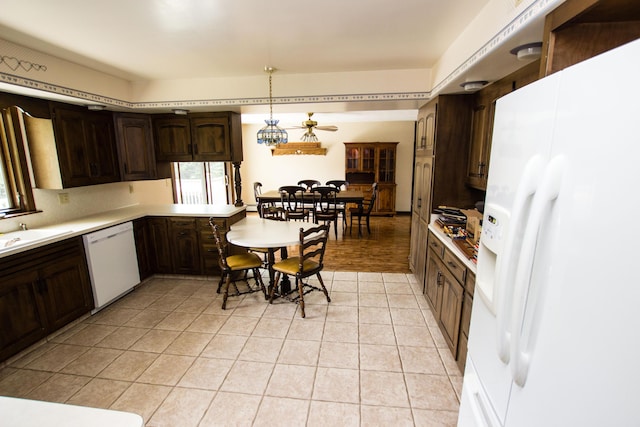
x,y
327,128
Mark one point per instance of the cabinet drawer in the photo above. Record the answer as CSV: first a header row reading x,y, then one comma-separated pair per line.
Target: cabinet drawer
x,y
436,245
455,266
180,223
203,223
470,283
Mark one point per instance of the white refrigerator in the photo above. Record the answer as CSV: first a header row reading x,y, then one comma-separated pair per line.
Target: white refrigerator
x,y
555,324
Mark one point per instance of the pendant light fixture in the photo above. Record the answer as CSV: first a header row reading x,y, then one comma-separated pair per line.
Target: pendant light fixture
x,y
272,135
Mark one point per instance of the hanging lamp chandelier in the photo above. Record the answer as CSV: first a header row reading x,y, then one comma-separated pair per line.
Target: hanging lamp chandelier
x,y
272,135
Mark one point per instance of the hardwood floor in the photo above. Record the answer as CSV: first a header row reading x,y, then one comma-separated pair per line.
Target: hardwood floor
x,y
385,250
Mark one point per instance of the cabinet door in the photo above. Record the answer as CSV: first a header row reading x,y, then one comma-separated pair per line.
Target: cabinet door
x,y
387,165
477,166
414,246
72,151
386,199
208,246
433,284
67,290
135,147
425,130
211,139
368,163
451,310
430,128
86,147
172,139
143,247
353,160
419,249
185,251
420,143
426,177
22,313
101,140
159,250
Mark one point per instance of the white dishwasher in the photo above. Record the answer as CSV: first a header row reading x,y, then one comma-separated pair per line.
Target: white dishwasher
x,y
113,263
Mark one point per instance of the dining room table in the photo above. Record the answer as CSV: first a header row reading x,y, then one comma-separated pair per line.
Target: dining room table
x,y
255,232
343,197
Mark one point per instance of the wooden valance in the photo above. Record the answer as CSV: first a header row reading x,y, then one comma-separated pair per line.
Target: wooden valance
x,y
299,148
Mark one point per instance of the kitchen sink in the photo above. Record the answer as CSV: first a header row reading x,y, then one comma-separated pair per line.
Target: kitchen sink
x,y
22,237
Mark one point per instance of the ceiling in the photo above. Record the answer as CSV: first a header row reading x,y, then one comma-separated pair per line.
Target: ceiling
x,y
141,40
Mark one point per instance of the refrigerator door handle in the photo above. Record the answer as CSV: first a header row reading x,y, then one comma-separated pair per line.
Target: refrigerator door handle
x,y
506,272
526,312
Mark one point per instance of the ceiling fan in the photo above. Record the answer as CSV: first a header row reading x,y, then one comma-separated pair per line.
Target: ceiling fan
x,y
310,125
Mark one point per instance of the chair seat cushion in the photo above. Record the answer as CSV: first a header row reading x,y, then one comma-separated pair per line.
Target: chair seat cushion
x,y
244,261
292,265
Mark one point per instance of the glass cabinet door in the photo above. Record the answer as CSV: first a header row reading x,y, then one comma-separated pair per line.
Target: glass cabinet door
x,y
386,169
368,159
352,159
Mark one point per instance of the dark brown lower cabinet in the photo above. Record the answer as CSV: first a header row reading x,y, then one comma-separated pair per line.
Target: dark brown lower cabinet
x,y
42,290
179,245
449,296
141,235
159,249
185,247
208,248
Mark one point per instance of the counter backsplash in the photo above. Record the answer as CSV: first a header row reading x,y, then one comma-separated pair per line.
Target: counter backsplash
x,y
83,201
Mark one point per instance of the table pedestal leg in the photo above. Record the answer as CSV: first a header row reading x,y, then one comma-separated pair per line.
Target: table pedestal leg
x,y
285,284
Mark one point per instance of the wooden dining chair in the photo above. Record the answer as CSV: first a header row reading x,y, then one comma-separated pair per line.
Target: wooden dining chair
x,y
341,185
364,210
309,262
292,200
269,209
231,265
308,184
325,207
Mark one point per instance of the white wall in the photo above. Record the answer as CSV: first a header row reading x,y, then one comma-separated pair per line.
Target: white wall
x,y
275,171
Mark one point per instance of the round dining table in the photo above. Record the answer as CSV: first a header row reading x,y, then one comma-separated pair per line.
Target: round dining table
x,y
253,232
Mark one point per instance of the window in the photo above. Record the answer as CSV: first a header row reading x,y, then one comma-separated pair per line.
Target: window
x,y
200,183
15,186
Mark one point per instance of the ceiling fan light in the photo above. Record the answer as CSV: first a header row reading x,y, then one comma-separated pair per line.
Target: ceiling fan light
x,y
309,137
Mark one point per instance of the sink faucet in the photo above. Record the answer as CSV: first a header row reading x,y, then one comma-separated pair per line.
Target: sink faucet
x,y
22,226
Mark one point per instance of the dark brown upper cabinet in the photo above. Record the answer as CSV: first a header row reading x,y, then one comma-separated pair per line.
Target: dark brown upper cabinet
x,y
198,137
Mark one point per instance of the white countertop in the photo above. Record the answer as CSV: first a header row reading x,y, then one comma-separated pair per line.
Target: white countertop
x,y
452,247
88,224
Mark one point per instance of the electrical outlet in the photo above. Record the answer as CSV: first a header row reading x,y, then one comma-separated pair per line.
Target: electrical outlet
x,y
63,198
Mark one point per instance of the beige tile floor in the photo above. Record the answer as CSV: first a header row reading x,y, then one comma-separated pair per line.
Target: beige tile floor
x,y
167,351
